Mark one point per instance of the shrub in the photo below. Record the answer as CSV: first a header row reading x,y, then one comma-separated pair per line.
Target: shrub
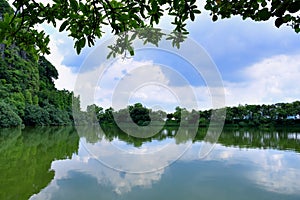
x,y
36,116
57,117
8,118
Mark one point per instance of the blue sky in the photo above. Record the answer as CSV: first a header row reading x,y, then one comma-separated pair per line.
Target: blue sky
x,y
232,43
236,43
258,63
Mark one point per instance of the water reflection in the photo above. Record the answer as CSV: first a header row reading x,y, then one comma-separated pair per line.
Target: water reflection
x,y
269,172
26,157
107,180
267,139
55,164
136,155
272,170
243,138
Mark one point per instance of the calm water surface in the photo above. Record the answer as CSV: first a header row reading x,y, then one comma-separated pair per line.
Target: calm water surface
x,y
60,163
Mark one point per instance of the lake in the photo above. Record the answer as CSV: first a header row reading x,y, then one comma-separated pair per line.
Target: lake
x,y
94,163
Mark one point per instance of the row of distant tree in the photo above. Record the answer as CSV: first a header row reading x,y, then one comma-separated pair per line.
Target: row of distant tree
x,y
279,114
274,114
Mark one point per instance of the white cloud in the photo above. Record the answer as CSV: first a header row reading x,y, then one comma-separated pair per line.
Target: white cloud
x,y
275,174
271,80
120,79
272,170
129,81
98,160
66,78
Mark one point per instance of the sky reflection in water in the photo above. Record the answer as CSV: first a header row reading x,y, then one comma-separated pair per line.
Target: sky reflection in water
x,y
226,173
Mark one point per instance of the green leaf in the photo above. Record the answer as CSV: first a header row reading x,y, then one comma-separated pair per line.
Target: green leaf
x,y
63,26
131,51
215,18
74,4
297,28
294,7
82,6
82,42
287,18
79,44
280,10
278,22
208,6
197,11
263,3
192,16
78,49
154,5
175,3
264,14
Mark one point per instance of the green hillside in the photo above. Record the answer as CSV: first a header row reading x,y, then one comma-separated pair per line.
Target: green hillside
x,y
27,91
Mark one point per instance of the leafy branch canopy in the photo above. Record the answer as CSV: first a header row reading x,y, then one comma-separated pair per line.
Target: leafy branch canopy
x,y
85,20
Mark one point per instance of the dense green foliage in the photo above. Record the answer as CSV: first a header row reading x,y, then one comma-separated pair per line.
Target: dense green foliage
x,y
136,113
27,86
85,21
35,115
27,155
284,11
8,117
279,114
5,8
27,91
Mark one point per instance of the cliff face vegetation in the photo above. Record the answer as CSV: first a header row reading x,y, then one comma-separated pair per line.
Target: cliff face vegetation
x,y
27,91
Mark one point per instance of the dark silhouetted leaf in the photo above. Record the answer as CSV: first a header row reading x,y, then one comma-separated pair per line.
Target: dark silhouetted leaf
x,y
63,26
278,22
264,14
215,18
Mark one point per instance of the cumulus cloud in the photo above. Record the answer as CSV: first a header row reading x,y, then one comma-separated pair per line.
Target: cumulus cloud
x,y
99,161
272,170
271,80
129,81
124,82
66,78
120,79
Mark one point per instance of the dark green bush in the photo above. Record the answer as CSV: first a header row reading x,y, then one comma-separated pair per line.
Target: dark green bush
x,y
8,118
57,117
36,116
